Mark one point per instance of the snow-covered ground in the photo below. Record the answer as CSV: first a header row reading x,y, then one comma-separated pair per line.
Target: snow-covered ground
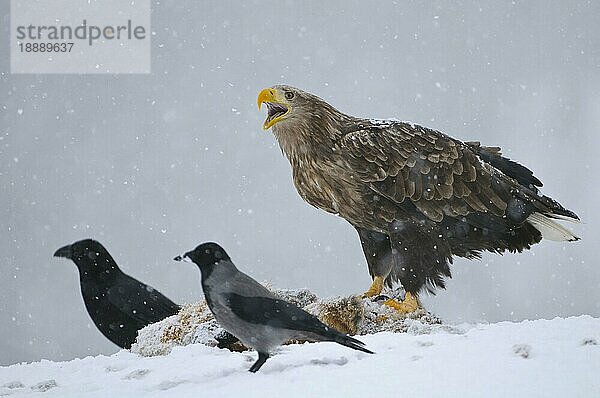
x,y
542,358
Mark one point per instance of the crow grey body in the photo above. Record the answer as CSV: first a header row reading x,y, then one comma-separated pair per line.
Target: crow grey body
x,y
252,313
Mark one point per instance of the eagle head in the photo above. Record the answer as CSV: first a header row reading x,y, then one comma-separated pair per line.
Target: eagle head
x,y
286,104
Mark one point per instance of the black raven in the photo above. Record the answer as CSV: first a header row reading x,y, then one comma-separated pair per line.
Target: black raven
x,y
118,304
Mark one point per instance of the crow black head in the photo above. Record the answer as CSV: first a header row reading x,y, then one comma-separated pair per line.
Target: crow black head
x,y
89,256
205,255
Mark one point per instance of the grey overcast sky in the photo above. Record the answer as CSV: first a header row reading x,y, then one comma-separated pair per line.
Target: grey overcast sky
x,y
151,165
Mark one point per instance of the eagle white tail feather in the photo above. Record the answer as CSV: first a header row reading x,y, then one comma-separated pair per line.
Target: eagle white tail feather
x,y
550,229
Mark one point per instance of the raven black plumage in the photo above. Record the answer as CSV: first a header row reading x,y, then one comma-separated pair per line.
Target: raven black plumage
x,y
415,195
118,304
252,313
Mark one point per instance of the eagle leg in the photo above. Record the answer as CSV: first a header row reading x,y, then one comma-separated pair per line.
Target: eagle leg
x,y
409,304
376,287
377,248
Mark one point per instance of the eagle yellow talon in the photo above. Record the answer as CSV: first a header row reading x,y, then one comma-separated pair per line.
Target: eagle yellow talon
x,y
409,304
376,287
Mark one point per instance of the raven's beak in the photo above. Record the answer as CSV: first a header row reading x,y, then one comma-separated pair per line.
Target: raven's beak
x,y
64,251
183,257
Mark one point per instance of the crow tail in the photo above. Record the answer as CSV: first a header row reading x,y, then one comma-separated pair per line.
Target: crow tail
x,y
351,343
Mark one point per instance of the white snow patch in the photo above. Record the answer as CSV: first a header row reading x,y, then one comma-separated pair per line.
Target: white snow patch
x,y
541,358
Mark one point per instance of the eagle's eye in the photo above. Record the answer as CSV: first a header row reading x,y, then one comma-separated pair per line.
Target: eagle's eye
x,y
289,95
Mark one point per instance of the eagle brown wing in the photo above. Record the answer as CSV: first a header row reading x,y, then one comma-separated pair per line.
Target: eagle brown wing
x,y
440,175
493,156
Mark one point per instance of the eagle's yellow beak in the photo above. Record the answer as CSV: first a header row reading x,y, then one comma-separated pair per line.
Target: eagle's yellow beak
x,y
277,107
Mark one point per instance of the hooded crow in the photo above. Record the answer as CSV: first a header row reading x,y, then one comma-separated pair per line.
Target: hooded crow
x,y
118,304
252,313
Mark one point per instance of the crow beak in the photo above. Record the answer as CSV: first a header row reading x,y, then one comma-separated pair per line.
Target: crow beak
x,y
64,251
184,258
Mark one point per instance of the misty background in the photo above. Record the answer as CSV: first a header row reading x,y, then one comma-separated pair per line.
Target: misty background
x,y
152,165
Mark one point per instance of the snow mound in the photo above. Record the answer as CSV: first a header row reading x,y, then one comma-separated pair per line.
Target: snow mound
x,y
542,358
353,315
